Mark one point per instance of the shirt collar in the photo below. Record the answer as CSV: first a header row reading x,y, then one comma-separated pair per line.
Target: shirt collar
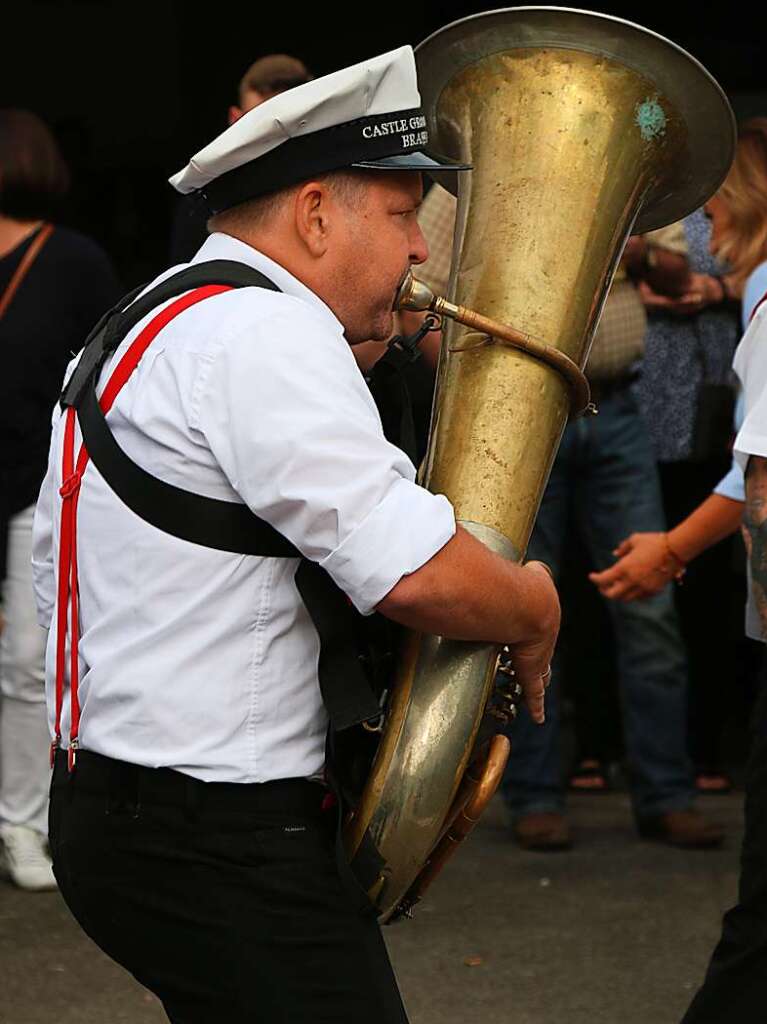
x,y
219,246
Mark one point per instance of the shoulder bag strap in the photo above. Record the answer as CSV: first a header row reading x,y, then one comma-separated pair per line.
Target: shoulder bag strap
x,y
27,260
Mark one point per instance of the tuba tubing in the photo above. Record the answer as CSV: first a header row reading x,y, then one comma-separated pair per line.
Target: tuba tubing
x,y
415,296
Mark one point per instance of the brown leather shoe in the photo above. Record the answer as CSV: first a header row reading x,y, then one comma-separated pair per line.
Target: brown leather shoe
x,y
544,831
686,828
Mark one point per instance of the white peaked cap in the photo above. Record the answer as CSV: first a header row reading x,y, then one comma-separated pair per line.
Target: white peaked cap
x,y
368,115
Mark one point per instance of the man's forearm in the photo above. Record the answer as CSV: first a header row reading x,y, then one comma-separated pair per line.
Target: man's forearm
x,y
467,592
713,520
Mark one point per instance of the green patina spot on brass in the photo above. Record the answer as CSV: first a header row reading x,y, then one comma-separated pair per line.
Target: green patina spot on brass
x,y
650,119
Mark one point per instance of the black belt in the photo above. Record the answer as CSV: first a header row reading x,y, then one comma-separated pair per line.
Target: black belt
x,y
121,782
610,386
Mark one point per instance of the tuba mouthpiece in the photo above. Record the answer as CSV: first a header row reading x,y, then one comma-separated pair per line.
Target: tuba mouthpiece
x,y
414,295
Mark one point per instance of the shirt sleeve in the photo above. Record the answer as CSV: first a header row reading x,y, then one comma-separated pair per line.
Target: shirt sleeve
x,y
750,364
288,416
733,484
754,291
752,436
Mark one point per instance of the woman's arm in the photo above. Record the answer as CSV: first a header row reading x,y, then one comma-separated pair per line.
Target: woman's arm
x,y
647,561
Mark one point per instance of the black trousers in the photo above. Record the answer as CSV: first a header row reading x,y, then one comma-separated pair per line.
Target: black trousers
x,y
735,987
222,899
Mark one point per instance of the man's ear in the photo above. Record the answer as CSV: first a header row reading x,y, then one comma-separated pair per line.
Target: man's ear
x,y
313,209
234,114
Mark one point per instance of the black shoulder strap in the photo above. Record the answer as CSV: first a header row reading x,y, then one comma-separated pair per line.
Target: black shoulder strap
x,y
335,619
224,525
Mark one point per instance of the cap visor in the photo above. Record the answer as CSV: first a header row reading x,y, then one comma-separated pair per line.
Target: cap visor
x,y
413,162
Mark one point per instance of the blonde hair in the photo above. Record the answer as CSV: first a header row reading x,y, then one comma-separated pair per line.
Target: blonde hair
x,y
743,244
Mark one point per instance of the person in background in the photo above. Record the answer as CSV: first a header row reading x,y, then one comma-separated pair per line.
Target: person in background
x,y
54,284
738,215
686,395
605,475
267,77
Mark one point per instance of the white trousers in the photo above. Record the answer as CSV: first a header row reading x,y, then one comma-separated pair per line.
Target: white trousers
x,y
24,735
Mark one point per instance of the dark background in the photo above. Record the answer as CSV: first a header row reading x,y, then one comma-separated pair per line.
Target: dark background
x,y
133,89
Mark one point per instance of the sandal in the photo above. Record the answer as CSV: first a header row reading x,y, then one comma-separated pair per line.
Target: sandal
x,y
589,777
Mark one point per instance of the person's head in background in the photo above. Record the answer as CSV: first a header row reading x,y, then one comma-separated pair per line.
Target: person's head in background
x,y
33,176
268,77
738,211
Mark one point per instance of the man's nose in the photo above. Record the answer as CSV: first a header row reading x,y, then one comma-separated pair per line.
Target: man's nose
x,y
419,247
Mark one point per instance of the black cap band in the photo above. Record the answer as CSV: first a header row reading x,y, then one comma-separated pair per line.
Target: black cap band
x,y
361,141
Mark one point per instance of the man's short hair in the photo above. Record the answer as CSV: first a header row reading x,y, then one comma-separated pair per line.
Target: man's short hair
x,y
348,184
33,175
272,75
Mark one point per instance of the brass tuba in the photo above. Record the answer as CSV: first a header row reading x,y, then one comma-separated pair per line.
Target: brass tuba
x,y
581,129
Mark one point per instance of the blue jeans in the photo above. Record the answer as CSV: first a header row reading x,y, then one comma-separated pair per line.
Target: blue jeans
x,y
605,476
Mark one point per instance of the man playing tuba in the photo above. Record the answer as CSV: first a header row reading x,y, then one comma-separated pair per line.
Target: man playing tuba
x,y
190,831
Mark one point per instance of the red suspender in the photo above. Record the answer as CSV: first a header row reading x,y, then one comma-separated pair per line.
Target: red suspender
x,y
756,307
71,475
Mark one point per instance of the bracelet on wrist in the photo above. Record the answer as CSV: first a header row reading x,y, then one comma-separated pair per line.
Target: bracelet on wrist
x,y
678,565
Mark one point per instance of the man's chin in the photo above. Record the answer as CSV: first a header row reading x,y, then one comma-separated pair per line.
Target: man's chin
x,y
379,329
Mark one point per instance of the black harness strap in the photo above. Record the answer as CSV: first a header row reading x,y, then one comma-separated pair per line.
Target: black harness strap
x,y
336,620
210,522
225,525
122,318
93,352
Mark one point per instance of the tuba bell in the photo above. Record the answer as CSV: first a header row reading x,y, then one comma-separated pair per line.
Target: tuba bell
x,y
581,129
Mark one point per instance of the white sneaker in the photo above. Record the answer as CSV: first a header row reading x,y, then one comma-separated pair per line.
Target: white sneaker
x,y
24,858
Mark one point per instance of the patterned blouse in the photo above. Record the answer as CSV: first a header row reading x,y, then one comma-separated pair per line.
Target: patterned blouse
x,y
681,352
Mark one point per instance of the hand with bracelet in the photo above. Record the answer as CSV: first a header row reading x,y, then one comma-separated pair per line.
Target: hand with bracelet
x,y
646,563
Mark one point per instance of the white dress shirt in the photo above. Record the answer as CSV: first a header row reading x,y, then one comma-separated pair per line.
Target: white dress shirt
x,y
198,659
750,364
